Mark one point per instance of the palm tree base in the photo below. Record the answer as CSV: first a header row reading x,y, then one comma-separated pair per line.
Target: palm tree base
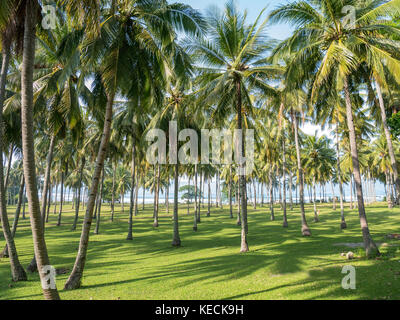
x,y
343,225
32,267
305,231
20,274
176,243
129,237
194,228
155,224
285,224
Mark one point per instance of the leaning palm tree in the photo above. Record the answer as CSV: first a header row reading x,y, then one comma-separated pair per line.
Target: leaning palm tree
x,y
328,47
145,25
231,61
6,38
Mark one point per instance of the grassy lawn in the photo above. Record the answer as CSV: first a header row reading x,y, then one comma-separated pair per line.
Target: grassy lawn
x,y
281,263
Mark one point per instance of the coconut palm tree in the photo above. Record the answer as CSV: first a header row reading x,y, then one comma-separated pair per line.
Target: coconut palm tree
x,y
328,47
231,60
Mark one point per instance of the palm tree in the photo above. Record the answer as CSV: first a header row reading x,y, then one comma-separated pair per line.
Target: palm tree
x,y
231,60
326,48
28,58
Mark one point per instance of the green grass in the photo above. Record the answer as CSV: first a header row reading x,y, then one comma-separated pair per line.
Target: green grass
x,y
281,263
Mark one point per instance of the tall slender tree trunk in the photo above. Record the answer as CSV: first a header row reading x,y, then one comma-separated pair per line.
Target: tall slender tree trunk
x,y
176,240
230,192
157,195
239,217
244,247
305,230
28,149
55,198
135,209
195,199
11,151
316,219
49,203
74,280
113,190
61,198
133,182
209,196
78,198
46,185
291,190
285,222
97,229
271,196
370,247
393,161
16,215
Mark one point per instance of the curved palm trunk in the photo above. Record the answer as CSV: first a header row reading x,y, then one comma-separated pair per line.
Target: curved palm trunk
x,y
28,148
48,203
176,240
370,247
305,230
74,280
393,161
17,271
97,229
131,207
285,222
78,198
16,215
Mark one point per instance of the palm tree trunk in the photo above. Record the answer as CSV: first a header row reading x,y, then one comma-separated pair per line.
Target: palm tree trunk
x,y
157,195
61,198
393,161
370,247
97,229
316,219
230,192
285,222
133,182
5,254
271,197
291,190
135,210
176,240
113,191
55,199
11,151
244,247
305,230
49,203
28,148
46,186
78,198
209,196
239,217
74,280
195,199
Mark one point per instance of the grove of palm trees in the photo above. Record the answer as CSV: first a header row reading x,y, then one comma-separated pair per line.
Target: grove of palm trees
x,y
109,190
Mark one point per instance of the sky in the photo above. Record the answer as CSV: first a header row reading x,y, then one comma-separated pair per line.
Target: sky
x,y
275,31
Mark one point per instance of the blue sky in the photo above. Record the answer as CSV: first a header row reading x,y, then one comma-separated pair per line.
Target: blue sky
x,y
253,8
